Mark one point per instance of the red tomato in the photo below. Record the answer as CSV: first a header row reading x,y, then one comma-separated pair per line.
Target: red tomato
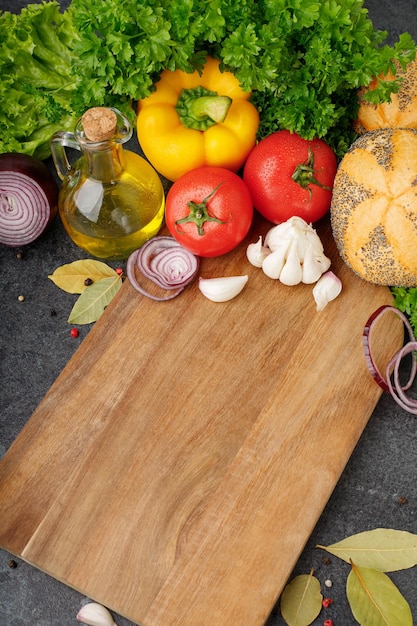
x,y
288,175
209,210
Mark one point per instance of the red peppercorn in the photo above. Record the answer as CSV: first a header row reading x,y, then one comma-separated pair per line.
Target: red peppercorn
x,y
328,622
327,602
119,270
74,332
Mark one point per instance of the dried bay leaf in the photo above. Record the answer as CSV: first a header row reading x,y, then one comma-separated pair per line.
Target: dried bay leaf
x,y
301,600
71,276
383,549
375,600
92,302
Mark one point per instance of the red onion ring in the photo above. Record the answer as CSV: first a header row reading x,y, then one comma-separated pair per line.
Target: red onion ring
x,y
164,262
391,381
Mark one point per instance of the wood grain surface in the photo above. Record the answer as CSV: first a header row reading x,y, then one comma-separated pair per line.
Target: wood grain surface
x,y
179,463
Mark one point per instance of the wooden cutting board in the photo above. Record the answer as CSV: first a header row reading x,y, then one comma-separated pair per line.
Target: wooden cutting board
x,y
181,460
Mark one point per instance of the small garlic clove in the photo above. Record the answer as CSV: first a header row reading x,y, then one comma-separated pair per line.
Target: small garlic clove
x,y
312,269
272,265
222,289
327,288
292,272
315,263
256,253
95,614
324,262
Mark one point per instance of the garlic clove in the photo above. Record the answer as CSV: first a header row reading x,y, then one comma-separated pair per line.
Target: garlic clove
x,y
312,271
312,237
314,265
256,252
292,272
303,244
324,262
222,289
95,614
272,264
327,288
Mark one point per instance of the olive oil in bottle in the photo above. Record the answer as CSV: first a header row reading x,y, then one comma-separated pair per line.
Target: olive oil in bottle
x,y
111,200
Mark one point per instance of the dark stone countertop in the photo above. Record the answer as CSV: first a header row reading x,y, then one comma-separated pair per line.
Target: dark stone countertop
x,y
377,489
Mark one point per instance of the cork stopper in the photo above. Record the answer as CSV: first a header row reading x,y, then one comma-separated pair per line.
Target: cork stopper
x,y
99,123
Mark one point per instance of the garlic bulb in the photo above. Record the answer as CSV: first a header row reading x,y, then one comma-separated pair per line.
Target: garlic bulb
x,y
326,289
222,289
296,253
95,614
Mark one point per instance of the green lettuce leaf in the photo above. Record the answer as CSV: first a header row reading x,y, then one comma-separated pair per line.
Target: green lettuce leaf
x,y
37,81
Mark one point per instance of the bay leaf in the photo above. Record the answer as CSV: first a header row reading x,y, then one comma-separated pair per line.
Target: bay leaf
x,y
71,276
301,600
384,549
375,600
91,304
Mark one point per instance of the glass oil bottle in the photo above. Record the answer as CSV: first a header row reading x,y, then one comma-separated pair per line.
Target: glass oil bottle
x,y
111,200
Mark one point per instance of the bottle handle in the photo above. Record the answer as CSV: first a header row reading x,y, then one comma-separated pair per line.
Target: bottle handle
x,y
124,127
59,142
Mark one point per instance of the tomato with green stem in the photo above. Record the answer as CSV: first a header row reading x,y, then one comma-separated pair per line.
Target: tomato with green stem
x,y
209,210
288,175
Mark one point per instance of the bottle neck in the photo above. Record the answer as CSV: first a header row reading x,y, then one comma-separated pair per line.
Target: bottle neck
x,y
105,163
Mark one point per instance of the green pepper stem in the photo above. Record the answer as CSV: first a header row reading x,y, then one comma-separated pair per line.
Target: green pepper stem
x,y
214,107
200,108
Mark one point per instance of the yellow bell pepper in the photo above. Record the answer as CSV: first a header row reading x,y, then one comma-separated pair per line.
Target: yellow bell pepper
x,y
193,120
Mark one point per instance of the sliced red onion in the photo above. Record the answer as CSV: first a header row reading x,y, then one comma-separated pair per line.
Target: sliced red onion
x,y
395,389
166,263
28,199
391,382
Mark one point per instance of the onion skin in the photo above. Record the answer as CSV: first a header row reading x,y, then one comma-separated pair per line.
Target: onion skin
x,y
28,199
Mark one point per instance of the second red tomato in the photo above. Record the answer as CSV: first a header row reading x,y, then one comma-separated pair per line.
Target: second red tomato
x,y
288,175
209,211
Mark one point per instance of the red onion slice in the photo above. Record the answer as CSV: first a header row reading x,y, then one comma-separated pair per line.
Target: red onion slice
x,y
395,388
391,382
164,262
28,199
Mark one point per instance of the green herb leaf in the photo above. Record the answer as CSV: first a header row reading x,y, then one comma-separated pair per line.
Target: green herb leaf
x,y
91,304
405,299
303,60
71,277
383,549
301,600
375,600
